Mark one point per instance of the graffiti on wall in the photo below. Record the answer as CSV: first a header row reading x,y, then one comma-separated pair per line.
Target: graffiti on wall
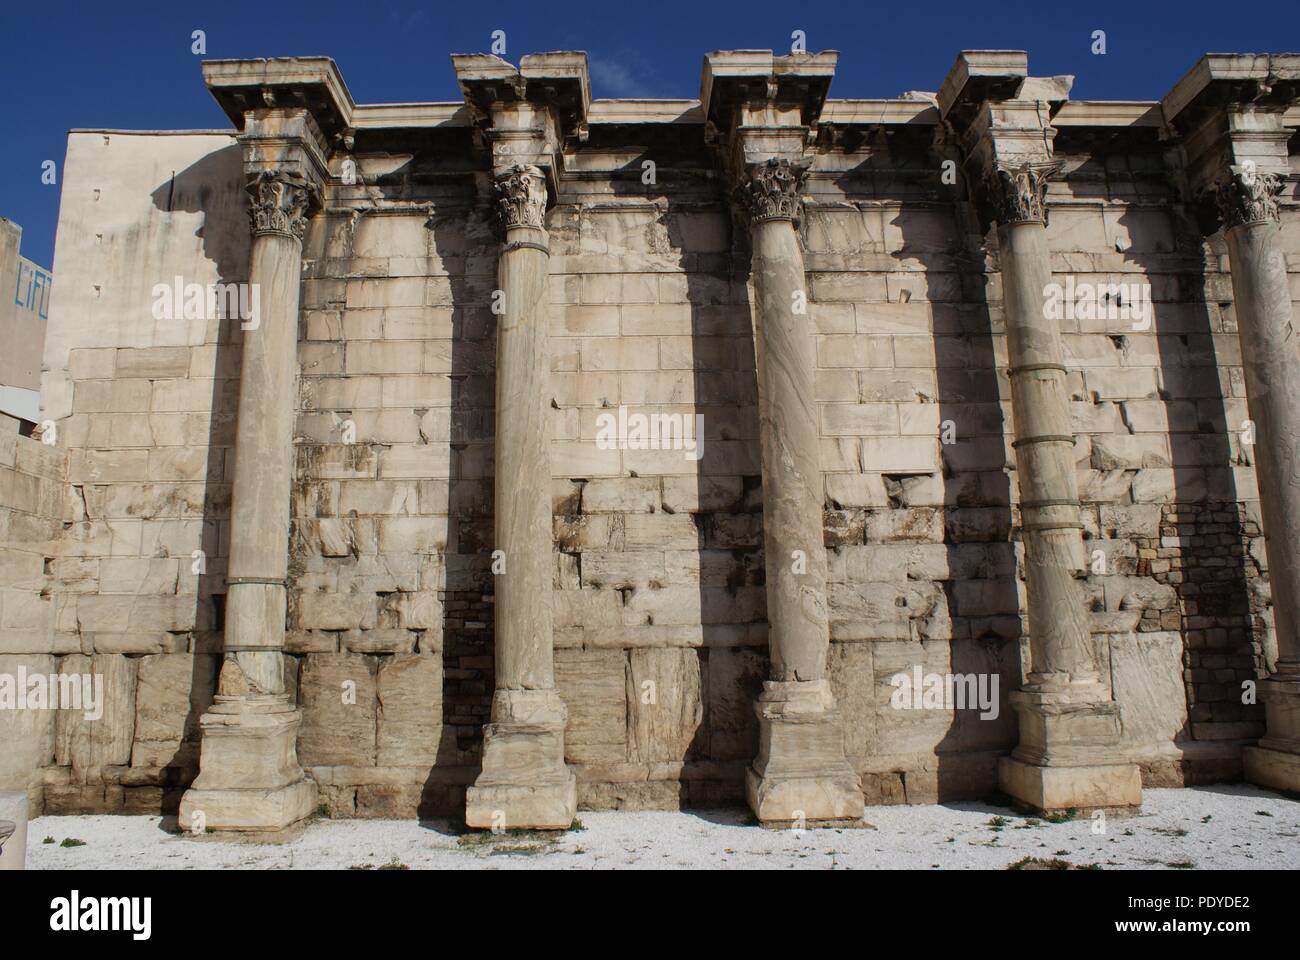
x,y
32,291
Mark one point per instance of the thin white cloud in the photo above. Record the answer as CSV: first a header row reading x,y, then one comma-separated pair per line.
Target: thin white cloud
x,y
622,78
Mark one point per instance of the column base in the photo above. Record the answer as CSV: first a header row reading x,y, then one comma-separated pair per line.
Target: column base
x,y
1275,762
1069,757
800,774
524,784
1057,789
249,778
1275,769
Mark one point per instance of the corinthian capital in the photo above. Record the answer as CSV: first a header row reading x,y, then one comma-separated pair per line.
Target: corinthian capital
x,y
771,189
1018,193
1247,196
280,202
521,192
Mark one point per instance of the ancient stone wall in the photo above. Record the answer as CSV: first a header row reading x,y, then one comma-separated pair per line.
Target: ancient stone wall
x,y
660,616
140,398
31,511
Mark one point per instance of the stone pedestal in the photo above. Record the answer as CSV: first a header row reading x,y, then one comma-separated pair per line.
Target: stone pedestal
x,y
801,772
249,774
1271,358
13,810
1275,762
1069,754
1067,757
524,782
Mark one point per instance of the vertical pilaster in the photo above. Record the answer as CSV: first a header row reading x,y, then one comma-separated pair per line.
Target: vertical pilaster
x,y
1270,354
1069,727
522,115
524,781
249,775
765,107
1068,755
1229,115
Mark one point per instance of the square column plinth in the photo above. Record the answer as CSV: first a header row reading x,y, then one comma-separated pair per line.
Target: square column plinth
x,y
1275,762
250,777
800,773
524,783
1069,757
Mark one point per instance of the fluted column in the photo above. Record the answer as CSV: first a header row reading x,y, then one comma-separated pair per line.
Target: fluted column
x,y
1271,357
800,773
1069,728
249,776
524,782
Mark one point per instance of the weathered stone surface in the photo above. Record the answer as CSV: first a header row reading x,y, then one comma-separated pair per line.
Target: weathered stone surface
x,y
736,677
172,692
409,689
337,693
665,696
1146,675
593,684
28,734
90,744
415,429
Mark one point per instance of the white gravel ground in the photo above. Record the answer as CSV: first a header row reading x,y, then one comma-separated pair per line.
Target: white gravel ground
x,y
1206,827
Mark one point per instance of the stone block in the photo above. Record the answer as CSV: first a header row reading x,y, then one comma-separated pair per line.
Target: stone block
x,y
736,676
666,690
849,669
172,692
88,743
623,495
28,734
319,610
1146,672
593,685
409,690
338,697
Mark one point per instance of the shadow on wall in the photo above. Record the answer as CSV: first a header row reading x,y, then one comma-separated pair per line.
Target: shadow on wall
x,y
728,499
208,187
460,237
1202,553
973,631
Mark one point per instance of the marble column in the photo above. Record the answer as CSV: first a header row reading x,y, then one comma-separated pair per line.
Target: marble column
x,y
1068,754
249,775
801,773
524,782
1271,357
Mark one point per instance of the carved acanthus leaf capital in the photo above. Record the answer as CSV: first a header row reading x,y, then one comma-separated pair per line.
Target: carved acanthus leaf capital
x,y
1247,196
521,193
280,201
1019,193
772,189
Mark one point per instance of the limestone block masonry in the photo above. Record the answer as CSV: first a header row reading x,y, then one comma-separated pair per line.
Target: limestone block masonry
x,y
536,452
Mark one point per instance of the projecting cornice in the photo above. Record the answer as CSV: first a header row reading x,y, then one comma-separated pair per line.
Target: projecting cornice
x,y
760,108
560,80
1266,80
732,77
1230,115
313,83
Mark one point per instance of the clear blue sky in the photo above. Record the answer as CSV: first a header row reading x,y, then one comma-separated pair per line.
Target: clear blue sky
x,y
129,65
